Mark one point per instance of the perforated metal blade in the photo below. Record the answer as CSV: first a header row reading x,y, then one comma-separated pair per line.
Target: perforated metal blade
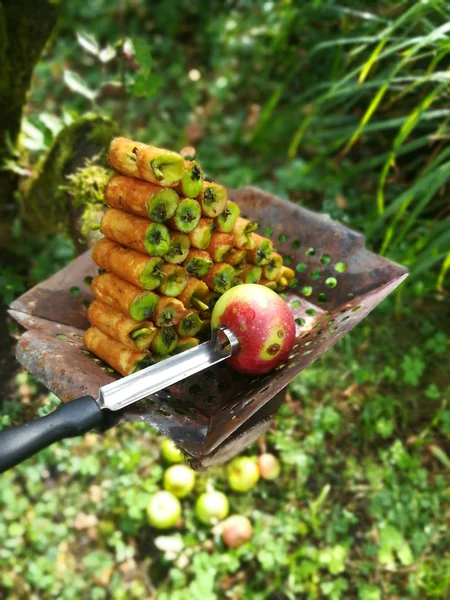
x,y
338,282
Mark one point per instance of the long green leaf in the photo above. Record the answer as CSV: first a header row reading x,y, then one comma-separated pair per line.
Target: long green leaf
x,y
426,264
298,135
443,155
443,272
334,87
268,109
367,115
419,207
404,132
372,59
440,236
343,42
376,101
433,248
357,13
405,198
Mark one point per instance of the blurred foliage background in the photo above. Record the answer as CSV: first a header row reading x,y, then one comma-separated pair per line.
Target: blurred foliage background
x,y
342,107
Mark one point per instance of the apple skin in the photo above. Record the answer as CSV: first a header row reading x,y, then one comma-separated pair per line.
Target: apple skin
x,y
170,452
212,507
236,531
179,480
263,324
163,510
242,474
269,466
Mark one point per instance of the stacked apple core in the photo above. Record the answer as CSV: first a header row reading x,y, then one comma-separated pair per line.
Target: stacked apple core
x,y
174,243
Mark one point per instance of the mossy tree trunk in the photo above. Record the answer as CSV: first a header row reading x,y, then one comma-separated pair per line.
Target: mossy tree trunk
x,y
25,27
46,206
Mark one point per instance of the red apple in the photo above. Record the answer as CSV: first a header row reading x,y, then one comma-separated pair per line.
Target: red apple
x,y
269,466
236,530
263,324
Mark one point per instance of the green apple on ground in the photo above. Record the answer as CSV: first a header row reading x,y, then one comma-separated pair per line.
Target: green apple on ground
x,y
269,466
242,474
263,324
163,510
179,480
211,507
170,452
236,531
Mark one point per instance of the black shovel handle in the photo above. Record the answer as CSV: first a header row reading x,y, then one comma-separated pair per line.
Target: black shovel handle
x,y
68,420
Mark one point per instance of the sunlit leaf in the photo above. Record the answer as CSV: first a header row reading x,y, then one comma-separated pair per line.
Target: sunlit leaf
x,y
367,115
373,57
77,84
51,122
107,54
299,135
443,273
169,543
88,42
33,138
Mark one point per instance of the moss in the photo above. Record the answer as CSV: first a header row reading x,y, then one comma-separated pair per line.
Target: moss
x,y
101,131
85,189
87,183
48,203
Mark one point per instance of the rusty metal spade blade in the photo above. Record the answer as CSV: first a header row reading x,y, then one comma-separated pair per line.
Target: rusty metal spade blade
x,y
212,414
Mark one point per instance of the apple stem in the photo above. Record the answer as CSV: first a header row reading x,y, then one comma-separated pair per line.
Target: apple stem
x,y
262,445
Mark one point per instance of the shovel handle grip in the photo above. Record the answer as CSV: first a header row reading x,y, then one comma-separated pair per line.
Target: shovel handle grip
x,y
68,420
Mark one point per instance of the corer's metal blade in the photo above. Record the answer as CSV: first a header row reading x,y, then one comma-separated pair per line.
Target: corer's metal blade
x,y
123,392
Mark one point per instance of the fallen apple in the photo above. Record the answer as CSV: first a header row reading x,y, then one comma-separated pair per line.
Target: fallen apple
x,y
263,324
269,466
170,452
242,474
212,507
236,530
179,480
163,510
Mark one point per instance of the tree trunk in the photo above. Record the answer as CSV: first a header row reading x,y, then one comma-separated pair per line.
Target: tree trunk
x,y
46,207
25,26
